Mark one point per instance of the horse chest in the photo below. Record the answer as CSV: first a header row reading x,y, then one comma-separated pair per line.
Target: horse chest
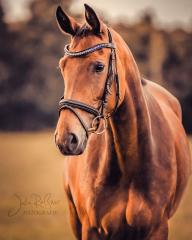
x,y
104,208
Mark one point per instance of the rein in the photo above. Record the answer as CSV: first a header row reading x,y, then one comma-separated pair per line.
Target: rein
x,y
112,75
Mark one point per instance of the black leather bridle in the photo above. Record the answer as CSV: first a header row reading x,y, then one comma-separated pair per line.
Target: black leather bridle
x,y
112,75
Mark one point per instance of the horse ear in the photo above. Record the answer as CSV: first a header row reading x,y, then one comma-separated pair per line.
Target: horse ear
x,y
92,19
66,24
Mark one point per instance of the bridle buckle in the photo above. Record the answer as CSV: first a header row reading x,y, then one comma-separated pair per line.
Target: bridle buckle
x,y
94,126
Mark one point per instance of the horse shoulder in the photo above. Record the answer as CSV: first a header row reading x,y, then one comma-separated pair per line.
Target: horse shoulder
x,y
74,219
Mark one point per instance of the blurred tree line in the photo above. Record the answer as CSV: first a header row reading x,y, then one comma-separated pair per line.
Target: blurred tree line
x,y
31,84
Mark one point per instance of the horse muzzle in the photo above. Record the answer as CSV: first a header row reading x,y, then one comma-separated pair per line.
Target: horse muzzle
x,y
71,144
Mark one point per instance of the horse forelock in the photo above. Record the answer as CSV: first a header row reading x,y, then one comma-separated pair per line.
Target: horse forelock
x,y
85,38
83,31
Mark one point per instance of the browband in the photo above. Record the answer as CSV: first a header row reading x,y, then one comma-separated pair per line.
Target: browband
x,y
88,50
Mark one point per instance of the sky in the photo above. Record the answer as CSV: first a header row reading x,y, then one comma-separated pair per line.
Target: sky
x,y
168,12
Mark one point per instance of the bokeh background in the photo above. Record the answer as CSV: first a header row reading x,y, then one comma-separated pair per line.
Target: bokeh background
x,y
159,34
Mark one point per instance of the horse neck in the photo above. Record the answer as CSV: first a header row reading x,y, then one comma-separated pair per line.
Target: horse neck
x,y
130,125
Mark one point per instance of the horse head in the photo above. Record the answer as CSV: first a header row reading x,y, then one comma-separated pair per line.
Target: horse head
x,y
91,82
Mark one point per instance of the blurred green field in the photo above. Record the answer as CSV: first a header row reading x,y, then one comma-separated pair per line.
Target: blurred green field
x,y
30,163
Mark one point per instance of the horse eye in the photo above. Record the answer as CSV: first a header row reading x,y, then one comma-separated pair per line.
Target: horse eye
x,y
99,67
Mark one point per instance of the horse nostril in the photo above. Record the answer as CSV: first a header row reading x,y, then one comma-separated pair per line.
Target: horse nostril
x,y
70,145
61,147
72,142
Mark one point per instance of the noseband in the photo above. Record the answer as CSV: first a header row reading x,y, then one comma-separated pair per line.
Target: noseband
x,y
112,75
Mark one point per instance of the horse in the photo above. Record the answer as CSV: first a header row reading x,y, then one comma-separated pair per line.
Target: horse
x,y
127,158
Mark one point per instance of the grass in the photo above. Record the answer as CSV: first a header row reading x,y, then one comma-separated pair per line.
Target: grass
x,y
30,163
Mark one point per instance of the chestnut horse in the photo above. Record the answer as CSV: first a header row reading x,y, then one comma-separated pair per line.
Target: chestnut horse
x,y
127,159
